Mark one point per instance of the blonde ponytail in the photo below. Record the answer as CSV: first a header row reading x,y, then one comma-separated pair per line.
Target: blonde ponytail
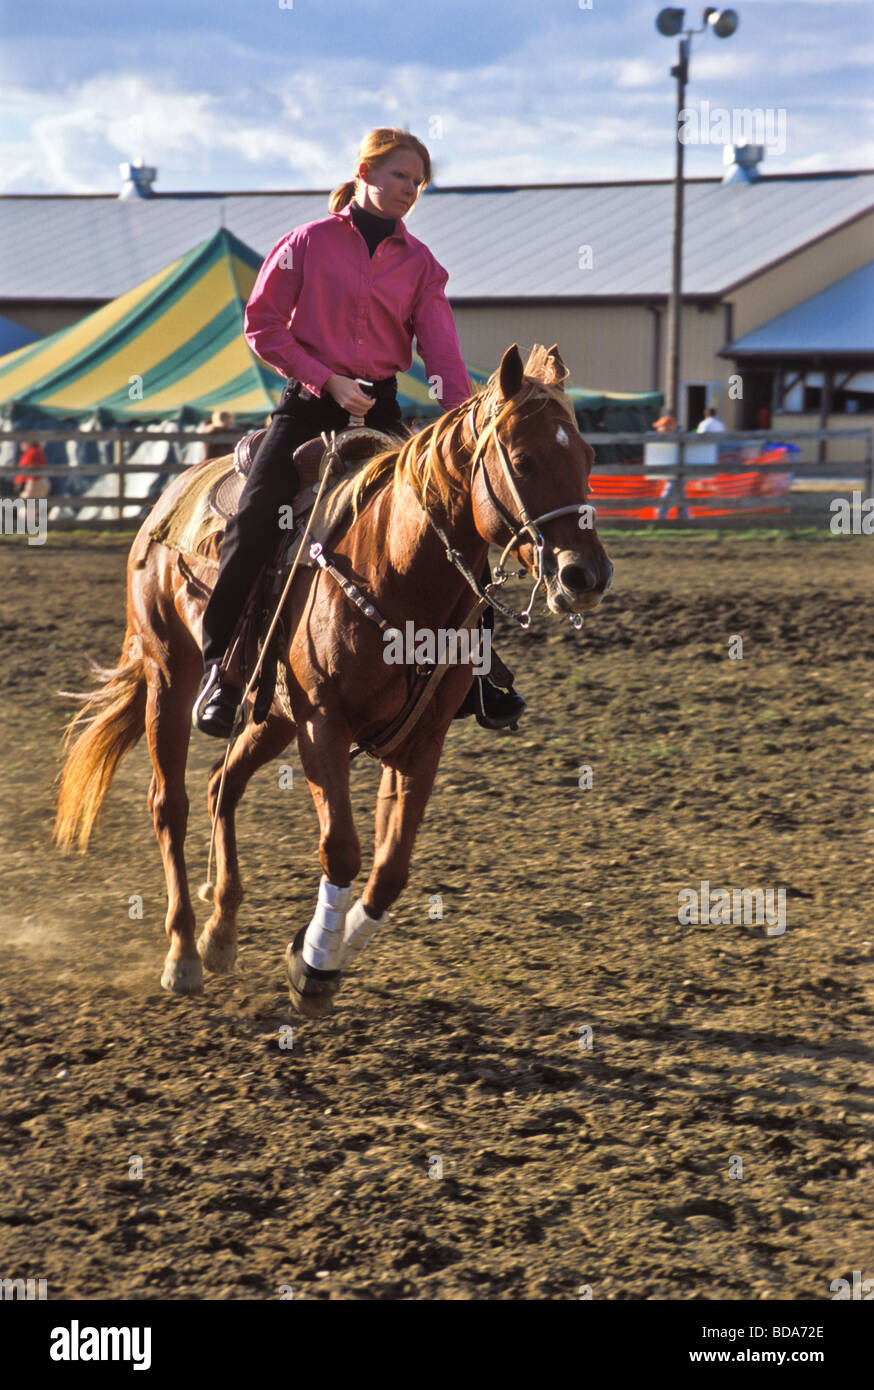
x,y
342,195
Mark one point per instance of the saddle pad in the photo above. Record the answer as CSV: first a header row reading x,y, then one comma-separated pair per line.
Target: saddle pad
x,y
190,523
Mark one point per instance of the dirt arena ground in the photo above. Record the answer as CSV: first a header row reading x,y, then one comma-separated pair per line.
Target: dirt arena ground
x,y
445,1135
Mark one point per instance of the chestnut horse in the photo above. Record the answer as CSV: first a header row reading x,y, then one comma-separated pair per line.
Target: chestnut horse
x,y
487,472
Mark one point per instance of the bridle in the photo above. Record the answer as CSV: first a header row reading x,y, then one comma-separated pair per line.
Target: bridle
x,y
528,524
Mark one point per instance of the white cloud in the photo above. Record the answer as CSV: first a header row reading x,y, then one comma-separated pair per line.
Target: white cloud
x,y
639,72
586,96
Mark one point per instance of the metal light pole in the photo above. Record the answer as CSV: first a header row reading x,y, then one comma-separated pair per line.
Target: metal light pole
x,y
670,23
675,310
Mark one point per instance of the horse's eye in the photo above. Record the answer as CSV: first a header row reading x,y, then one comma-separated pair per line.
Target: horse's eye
x,y
522,464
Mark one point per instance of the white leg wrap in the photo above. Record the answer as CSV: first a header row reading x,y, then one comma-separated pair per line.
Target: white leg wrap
x,y
323,942
359,930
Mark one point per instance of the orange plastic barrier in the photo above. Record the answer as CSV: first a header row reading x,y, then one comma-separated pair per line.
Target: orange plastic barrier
x,y
730,487
631,487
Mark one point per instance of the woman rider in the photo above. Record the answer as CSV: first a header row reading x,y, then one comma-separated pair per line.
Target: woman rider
x,y
333,305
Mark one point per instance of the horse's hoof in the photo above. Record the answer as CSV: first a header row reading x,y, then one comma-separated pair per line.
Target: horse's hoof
x,y
217,955
183,977
311,991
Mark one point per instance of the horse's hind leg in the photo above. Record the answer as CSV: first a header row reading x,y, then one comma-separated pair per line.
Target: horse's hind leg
x,y
168,727
256,745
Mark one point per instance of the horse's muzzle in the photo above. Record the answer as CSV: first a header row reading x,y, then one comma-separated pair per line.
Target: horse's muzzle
x,y
579,582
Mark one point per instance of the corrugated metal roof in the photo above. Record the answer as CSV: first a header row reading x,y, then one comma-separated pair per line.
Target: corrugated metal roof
x,y
838,319
514,244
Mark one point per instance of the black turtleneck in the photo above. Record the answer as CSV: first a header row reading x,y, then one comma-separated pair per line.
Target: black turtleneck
x,y
374,229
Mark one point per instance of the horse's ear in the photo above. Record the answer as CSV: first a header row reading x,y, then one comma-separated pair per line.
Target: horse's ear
x,y
557,371
511,372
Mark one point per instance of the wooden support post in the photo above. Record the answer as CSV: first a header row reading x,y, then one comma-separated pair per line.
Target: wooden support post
x,y
119,459
825,407
680,483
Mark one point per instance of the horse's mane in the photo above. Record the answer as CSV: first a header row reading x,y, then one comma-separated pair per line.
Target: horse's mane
x,y
420,461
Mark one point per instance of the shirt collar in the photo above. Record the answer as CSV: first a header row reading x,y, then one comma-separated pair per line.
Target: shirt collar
x,y
399,231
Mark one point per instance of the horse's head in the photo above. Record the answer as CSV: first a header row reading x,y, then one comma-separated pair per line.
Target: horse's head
x,y
530,477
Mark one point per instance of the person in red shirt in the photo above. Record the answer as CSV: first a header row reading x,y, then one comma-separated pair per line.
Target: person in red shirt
x,y
28,481
337,303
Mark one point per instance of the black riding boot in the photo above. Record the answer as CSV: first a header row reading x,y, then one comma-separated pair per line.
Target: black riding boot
x,y
494,708
215,708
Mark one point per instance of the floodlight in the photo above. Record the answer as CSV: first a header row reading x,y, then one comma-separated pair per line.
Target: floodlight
x,y
670,22
723,22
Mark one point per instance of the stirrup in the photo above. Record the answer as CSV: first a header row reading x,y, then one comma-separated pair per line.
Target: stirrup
x,y
213,689
486,721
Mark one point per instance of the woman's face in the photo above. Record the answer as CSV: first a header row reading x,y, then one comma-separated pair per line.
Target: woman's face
x,y
391,190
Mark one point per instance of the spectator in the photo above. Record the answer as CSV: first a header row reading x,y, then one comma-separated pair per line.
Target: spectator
x,y
665,424
28,481
711,424
763,417
222,420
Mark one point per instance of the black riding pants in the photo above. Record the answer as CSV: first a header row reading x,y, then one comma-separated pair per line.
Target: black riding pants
x,y
252,536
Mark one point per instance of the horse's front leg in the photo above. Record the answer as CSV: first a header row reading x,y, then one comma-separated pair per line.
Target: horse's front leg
x,y
404,792
315,956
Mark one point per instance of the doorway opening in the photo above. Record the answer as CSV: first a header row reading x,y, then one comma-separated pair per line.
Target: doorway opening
x,y
695,403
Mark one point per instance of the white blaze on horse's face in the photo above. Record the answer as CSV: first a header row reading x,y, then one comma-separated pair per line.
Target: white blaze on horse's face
x,y
561,437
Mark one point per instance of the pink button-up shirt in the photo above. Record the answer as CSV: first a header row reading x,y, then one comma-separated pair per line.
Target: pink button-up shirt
x,y
322,305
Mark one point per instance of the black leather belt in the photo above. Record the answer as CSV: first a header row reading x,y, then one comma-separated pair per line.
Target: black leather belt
x,y
388,386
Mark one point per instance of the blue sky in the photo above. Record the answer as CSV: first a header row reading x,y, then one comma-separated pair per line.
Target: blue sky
x,y
276,94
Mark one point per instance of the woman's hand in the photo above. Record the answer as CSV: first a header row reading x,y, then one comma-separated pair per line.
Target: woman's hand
x,y
348,395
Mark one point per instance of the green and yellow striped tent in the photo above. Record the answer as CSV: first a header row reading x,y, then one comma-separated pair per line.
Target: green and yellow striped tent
x,y
171,348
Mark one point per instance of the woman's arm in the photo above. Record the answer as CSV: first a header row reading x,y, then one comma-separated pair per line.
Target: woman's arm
x,y
269,309
437,341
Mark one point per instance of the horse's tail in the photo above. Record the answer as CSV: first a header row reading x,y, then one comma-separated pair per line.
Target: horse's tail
x,y
110,723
